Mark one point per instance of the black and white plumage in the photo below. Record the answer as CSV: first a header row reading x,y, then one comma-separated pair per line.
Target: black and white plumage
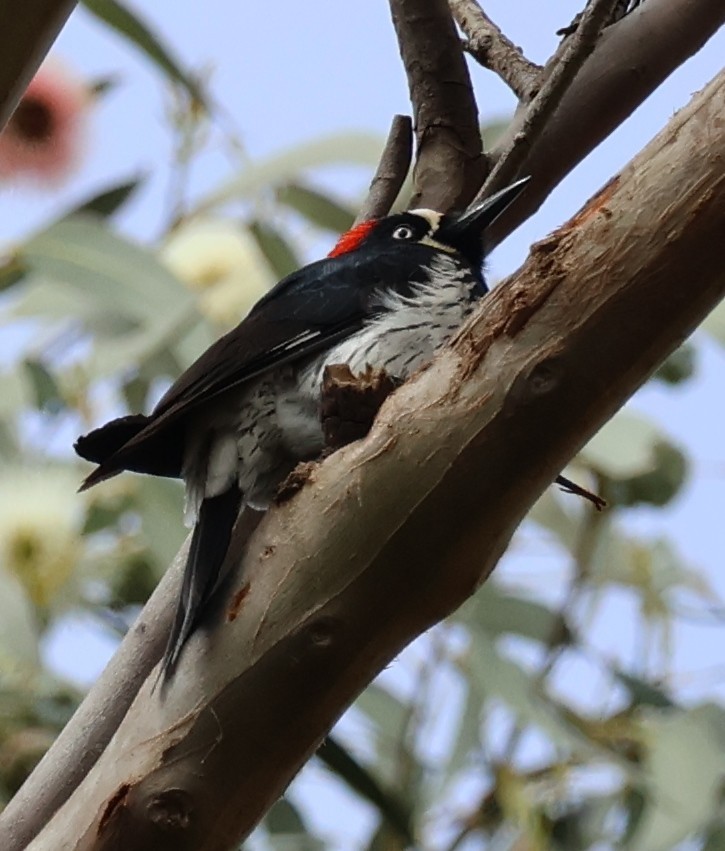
x,y
235,424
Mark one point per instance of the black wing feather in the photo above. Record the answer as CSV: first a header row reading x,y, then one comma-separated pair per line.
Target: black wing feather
x,y
303,314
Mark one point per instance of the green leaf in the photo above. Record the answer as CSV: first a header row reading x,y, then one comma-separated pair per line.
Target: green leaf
x,y
683,762
45,388
550,513
678,367
121,19
284,817
107,202
344,148
468,734
16,394
316,207
641,692
103,271
657,486
715,839
287,829
19,635
714,325
492,131
279,253
160,504
497,676
623,447
497,611
339,760
387,713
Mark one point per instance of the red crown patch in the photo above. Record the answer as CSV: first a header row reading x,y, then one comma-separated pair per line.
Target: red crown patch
x,y
352,238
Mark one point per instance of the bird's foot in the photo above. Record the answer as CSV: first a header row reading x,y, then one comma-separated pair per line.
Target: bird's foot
x,y
572,487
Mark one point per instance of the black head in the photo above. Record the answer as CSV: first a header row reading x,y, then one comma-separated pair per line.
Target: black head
x,y
460,233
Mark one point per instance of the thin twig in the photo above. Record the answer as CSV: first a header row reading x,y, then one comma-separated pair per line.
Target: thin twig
x,y
493,50
450,165
578,48
391,171
631,59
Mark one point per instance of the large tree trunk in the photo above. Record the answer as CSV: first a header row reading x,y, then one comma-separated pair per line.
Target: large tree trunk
x,y
393,533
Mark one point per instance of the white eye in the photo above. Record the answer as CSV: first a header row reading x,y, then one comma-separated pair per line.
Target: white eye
x,y
403,232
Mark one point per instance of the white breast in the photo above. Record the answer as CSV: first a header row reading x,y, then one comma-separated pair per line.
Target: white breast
x,y
400,340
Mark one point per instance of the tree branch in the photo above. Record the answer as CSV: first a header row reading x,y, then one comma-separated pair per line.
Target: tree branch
x,y
27,30
391,171
450,165
394,532
493,50
630,60
577,48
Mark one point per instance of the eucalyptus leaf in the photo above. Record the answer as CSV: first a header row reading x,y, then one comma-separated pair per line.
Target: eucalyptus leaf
x,y
550,513
114,354
623,447
387,712
362,781
284,817
81,254
106,203
497,611
468,733
45,388
16,393
345,148
643,693
127,24
497,676
316,207
279,253
12,271
160,505
685,764
19,635
678,367
714,325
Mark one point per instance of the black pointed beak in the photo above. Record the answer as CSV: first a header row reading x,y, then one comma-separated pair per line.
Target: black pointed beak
x,y
483,215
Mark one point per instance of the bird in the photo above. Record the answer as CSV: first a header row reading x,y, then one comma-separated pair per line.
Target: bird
x,y
236,423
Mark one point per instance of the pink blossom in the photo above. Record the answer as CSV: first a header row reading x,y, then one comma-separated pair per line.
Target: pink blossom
x,y
44,137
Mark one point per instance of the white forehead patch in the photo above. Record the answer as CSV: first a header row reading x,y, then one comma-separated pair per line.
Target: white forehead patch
x,y
431,216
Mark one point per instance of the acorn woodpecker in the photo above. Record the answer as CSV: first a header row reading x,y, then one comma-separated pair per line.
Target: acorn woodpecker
x,y
237,422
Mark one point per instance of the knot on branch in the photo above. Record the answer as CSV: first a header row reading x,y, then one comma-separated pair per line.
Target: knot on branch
x,y
541,380
171,810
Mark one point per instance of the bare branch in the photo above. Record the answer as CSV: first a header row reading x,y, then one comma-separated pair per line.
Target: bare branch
x,y
629,62
449,165
578,48
391,172
27,30
393,532
493,50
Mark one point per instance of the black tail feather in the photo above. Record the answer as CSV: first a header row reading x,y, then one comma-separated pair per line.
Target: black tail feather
x,y
132,443
98,445
209,545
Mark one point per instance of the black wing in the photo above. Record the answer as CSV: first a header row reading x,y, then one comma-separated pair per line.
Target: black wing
x,y
305,313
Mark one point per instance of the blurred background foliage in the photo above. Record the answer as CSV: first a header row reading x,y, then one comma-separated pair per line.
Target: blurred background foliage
x,y
503,727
